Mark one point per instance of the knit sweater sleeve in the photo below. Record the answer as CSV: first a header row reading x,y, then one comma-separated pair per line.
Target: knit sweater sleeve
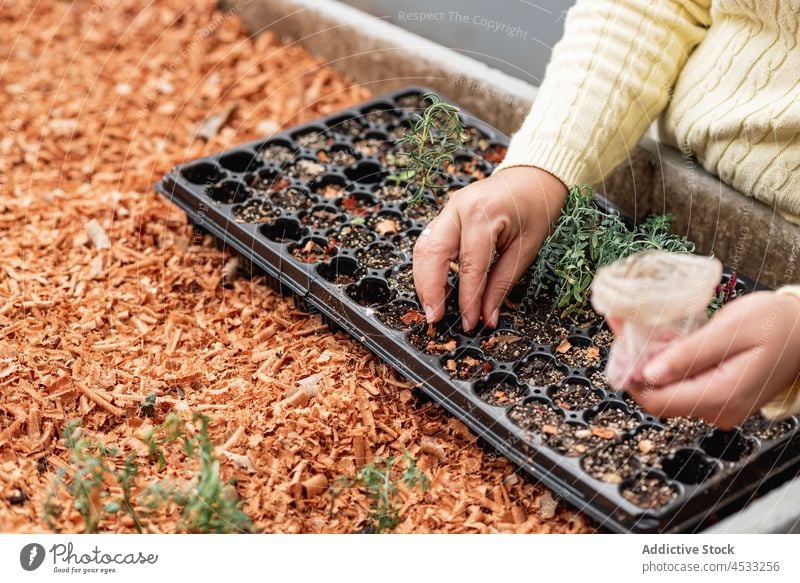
x,y
608,78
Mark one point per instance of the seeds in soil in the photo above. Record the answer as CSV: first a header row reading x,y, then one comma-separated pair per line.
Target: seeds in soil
x,y
277,153
501,393
685,431
575,396
612,422
321,218
402,280
304,170
352,236
312,252
577,356
380,256
292,199
649,492
468,366
536,416
433,338
540,371
572,440
613,463
401,315
766,429
257,210
505,346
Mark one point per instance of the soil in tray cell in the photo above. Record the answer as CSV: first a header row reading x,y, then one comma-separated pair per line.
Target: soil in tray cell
x,y
603,338
467,169
341,271
380,256
648,491
572,439
401,315
391,192
505,346
359,204
541,324
576,355
494,154
257,210
292,199
304,169
311,251
352,236
337,157
575,396
329,189
433,339
612,463
684,431
405,242
537,416
600,381
466,365
500,392
765,429
402,280
423,212
346,126
372,145
650,443
540,371
611,422
268,181
413,102
277,153
312,139
476,140
321,218
387,224
380,115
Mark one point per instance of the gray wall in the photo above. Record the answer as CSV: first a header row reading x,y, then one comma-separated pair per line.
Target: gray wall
x,y
515,36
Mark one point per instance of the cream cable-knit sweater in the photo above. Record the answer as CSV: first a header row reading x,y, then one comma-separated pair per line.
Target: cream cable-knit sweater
x,y
724,74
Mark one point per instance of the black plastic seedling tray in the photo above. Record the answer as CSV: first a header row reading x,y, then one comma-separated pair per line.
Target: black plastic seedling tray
x,y
318,210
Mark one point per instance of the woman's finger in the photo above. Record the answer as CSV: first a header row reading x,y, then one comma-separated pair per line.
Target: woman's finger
x,y
475,257
435,248
506,271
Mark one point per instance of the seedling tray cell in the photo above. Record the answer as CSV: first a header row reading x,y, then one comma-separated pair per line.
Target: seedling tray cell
x,y
319,209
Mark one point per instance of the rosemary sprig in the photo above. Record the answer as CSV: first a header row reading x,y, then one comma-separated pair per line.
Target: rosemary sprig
x,y
430,145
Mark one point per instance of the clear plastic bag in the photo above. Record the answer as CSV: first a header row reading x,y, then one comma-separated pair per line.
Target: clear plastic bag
x,y
650,300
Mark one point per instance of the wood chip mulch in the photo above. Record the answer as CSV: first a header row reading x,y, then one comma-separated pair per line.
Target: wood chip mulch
x,y
107,293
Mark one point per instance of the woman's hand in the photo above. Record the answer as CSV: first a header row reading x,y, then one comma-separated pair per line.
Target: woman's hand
x,y
727,369
510,213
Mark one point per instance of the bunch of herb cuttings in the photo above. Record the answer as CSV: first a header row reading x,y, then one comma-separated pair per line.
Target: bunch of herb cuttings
x,y
585,239
430,145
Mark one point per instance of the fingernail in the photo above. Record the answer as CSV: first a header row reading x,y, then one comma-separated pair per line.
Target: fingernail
x,y
465,324
494,318
429,315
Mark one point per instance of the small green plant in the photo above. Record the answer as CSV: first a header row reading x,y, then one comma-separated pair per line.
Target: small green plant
x,y
207,502
585,239
381,481
90,471
430,145
148,406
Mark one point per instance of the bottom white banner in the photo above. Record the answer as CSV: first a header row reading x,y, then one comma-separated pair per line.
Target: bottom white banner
x,y
389,558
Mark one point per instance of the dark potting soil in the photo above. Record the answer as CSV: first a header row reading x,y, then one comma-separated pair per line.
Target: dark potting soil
x,y
540,371
304,170
765,429
505,346
312,252
599,380
603,338
321,219
572,439
256,210
277,153
371,146
381,116
423,212
501,394
649,492
612,419
476,140
536,416
578,356
340,157
266,183
494,154
401,315
313,140
433,339
386,224
413,102
329,190
292,199
392,192
684,431
467,367
359,206
352,236
467,169
613,463
575,396
380,256
402,280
